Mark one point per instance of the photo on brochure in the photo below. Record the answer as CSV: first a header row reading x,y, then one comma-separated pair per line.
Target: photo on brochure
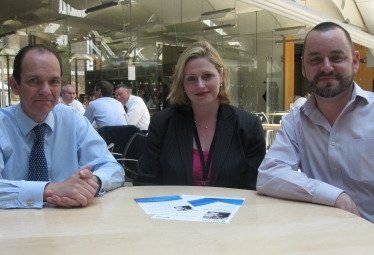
x,y
216,215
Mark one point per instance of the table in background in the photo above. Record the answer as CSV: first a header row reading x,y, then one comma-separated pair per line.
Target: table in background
x,y
115,224
273,127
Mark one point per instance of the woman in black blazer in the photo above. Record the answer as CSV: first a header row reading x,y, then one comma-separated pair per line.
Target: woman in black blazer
x,y
202,140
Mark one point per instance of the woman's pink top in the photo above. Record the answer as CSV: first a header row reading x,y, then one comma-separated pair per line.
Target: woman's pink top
x,y
197,169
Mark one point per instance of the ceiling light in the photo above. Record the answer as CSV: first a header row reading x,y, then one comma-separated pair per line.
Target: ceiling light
x,y
235,44
100,7
218,27
216,14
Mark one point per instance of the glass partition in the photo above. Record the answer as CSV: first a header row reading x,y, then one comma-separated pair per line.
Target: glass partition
x,y
149,35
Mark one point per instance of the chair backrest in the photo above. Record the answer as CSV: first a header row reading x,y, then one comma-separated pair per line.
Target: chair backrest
x,y
133,151
263,117
119,135
277,119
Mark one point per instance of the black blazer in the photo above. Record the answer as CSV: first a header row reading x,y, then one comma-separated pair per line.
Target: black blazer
x,y
238,152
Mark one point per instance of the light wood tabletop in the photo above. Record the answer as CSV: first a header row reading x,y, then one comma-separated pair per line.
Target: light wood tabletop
x,y
115,224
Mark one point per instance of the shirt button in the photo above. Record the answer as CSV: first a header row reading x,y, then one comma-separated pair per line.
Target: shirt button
x,y
335,169
333,143
30,203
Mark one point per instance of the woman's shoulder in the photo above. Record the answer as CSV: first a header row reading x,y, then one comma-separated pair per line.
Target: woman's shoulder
x,y
170,113
239,112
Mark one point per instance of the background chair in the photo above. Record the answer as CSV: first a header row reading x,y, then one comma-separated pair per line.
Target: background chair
x,y
133,151
267,133
119,136
278,119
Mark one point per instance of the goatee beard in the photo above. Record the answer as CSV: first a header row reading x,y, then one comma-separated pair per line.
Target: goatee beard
x,y
329,91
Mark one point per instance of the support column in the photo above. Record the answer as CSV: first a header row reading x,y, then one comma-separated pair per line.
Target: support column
x,y
288,71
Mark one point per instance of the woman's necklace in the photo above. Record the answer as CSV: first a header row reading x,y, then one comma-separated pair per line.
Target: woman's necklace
x,y
206,127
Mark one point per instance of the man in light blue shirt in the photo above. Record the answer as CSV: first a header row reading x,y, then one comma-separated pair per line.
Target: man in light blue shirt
x,y
105,110
78,162
331,137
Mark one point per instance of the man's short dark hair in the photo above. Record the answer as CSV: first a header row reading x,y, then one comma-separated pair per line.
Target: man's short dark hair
x,y
106,88
17,64
327,26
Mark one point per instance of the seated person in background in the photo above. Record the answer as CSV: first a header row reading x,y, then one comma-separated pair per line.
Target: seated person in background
x,y
202,140
49,152
300,101
67,98
87,100
330,138
137,113
105,110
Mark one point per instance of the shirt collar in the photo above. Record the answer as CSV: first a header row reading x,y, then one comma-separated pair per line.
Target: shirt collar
x,y
26,124
63,102
310,105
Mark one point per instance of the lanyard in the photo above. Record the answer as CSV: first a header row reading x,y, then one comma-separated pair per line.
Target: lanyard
x,y
209,160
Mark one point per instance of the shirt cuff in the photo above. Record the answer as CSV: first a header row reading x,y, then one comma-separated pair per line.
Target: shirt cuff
x,y
105,184
326,194
31,194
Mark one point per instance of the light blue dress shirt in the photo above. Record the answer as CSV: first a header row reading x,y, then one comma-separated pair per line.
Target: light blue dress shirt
x,y
106,111
70,143
331,159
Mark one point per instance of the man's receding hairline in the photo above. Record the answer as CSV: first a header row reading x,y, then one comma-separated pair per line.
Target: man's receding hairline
x,y
323,31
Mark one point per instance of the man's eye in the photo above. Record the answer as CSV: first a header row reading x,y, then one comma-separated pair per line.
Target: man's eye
x,y
55,82
336,58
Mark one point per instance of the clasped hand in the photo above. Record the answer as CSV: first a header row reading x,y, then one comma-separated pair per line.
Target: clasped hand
x,y
78,190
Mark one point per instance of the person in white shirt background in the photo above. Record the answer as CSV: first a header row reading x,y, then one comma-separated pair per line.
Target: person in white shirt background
x,y
68,98
301,100
137,113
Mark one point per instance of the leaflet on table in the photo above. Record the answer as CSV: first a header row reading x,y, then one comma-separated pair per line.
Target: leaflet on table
x,y
191,208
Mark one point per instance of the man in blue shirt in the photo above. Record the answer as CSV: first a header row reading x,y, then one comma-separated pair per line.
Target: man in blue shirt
x,y
78,163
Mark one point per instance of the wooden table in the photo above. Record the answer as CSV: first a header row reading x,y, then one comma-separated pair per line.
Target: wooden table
x,y
115,224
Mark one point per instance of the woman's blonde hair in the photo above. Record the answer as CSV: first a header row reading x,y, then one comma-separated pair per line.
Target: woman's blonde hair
x,y
198,49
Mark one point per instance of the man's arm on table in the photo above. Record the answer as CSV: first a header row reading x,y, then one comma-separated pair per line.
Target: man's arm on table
x,y
278,176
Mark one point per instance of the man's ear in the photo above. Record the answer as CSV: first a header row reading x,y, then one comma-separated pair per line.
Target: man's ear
x,y
14,85
356,61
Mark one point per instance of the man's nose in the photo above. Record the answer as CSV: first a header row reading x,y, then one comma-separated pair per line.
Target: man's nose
x,y
45,88
327,66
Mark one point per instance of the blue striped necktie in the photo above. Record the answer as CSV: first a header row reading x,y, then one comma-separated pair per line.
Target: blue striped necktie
x,y
38,170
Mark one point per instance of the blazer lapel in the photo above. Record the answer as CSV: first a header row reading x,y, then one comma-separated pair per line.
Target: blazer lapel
x,y
224,134
184,121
